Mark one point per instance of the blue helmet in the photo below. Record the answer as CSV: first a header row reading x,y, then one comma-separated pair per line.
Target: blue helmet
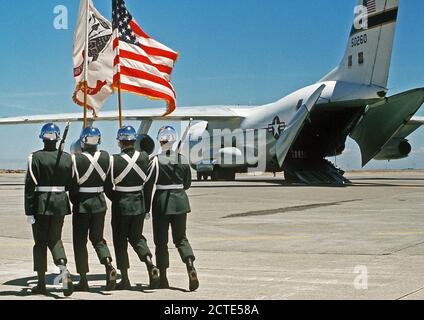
x,y
127,133
91,136
167,134
50,132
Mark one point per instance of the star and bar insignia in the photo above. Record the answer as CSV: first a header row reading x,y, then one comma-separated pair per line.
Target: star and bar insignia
x,y
276,127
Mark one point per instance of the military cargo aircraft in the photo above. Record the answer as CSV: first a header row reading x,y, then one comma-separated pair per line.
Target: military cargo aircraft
x,y
297,133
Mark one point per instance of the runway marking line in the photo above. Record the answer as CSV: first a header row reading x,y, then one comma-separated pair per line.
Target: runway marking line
x,y
405,186
400,233
257,238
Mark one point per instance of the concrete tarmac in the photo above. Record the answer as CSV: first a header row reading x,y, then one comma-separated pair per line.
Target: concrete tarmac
x,y
258,238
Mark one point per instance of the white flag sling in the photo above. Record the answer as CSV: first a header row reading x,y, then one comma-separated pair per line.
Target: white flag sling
x,y
96,65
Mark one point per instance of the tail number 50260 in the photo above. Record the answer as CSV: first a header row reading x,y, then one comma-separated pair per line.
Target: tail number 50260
x,y
359,40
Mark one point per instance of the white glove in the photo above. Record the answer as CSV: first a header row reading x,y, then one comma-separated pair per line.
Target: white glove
x,y
148,216
31,220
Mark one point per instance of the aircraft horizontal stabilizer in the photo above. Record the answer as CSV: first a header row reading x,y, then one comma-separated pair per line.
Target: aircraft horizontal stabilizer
x,y
417,121
386,120
293,129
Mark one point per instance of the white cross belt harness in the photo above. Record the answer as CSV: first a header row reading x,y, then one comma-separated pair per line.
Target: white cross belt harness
x,y
94,165
41,188
132,164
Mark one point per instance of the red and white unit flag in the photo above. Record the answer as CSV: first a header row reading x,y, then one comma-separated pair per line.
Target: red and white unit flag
x,y
93,57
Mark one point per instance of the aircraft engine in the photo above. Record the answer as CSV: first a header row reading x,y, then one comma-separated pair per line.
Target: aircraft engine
x,y
395,150
231,157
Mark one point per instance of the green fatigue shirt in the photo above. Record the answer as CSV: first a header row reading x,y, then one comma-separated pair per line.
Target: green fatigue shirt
x,y
91,169
44,171
123,177
172,175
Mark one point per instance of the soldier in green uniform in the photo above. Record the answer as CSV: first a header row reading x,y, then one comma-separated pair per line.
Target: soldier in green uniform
x,y
124,187
171,177
89,207
48,178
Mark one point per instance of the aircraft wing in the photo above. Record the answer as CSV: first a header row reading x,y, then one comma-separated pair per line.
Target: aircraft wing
x,y
409,128
181,114
398,146
412,125
418,121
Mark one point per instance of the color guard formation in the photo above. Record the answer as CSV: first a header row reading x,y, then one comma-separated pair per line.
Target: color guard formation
x,y
59,184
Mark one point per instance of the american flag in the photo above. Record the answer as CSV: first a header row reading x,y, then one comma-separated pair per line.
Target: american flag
x,y
142,65
371,6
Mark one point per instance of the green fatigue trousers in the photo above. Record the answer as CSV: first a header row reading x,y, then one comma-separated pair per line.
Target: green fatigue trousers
x,y
178,224
128,229
47,232
92,226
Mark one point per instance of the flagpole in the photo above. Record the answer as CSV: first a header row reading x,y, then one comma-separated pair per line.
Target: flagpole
x,y
85,104
120,103
87,22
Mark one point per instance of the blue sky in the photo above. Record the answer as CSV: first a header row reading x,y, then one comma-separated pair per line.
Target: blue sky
x,y
232,52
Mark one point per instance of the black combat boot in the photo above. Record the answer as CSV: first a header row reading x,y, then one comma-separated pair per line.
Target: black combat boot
x,y
110,274
154,273
40,288
125,283
82,285
192,275
68,286
164,284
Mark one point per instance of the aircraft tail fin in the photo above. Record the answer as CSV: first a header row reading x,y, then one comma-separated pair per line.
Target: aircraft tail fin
x,y
369,51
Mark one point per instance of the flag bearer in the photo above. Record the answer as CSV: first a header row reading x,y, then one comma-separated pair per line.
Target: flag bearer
x,y
124,187
48,178
89,207
171,178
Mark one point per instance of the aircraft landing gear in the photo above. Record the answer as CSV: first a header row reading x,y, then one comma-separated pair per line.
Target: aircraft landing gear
x,y
202,176
223,175
218,174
